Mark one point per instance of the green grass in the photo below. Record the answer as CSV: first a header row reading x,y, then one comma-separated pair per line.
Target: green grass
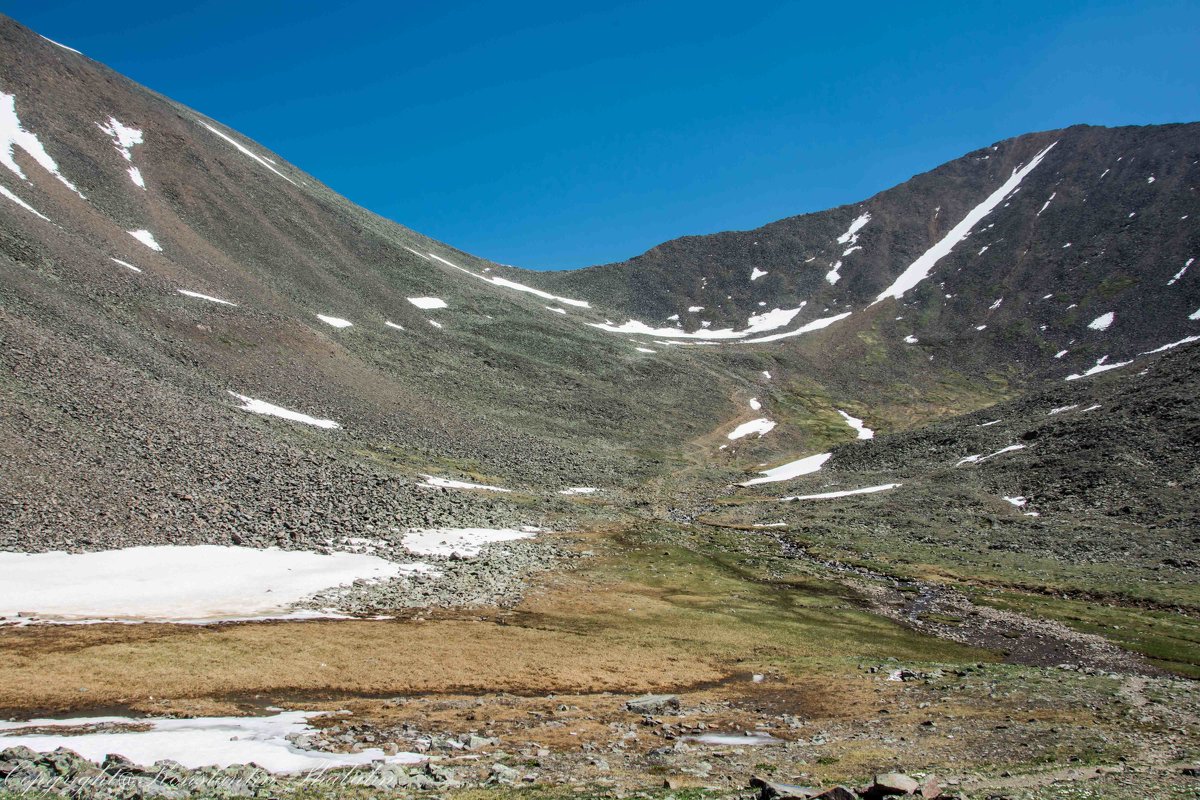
x,y
725,591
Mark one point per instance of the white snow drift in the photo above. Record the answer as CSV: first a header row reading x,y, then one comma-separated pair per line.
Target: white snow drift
x,y
792,469
200,742
446,483
13,135
851,234
125,264
465,542
4,191
845,493
427,303
1102,365
194,584
762,426
186,293
854,422
147,238
496,280
266,162
124,138
269,409
336,322
758,323
919,270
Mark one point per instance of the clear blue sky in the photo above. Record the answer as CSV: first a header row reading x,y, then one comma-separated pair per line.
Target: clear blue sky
x,y
562,134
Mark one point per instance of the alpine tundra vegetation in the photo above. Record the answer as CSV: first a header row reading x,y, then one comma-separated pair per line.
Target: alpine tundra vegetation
x,y
897,498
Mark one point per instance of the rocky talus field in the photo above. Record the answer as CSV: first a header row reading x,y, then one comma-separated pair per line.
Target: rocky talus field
x,y
893,499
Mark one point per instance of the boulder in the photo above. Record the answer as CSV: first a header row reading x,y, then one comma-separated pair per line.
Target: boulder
x,y
837,793
771,790
893,783
653,703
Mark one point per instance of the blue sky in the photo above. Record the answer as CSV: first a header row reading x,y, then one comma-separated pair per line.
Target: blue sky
x,y
552,134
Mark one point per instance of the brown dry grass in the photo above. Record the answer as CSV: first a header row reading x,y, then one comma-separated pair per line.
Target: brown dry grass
x,y
641,619
61,668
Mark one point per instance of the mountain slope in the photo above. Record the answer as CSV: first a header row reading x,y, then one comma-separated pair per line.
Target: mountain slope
x,y
111,338
164,276
1100,219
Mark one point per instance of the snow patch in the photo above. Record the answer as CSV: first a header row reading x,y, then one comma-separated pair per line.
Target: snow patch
x,y
199,742
266,162
336,322
1181,272
1100,366
1165,347
815,325
147,238
574,490
125,264
465,542
761,426
196,295
1102,322
833,276
496,280
446,483
13,135
770,320
792,469
851,234
919,270
193,584
270,409
854,422
22,203
60,44
428,303
757,273
978,459
846,493
124,139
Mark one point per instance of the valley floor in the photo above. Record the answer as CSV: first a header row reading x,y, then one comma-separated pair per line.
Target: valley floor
x,y
782,667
